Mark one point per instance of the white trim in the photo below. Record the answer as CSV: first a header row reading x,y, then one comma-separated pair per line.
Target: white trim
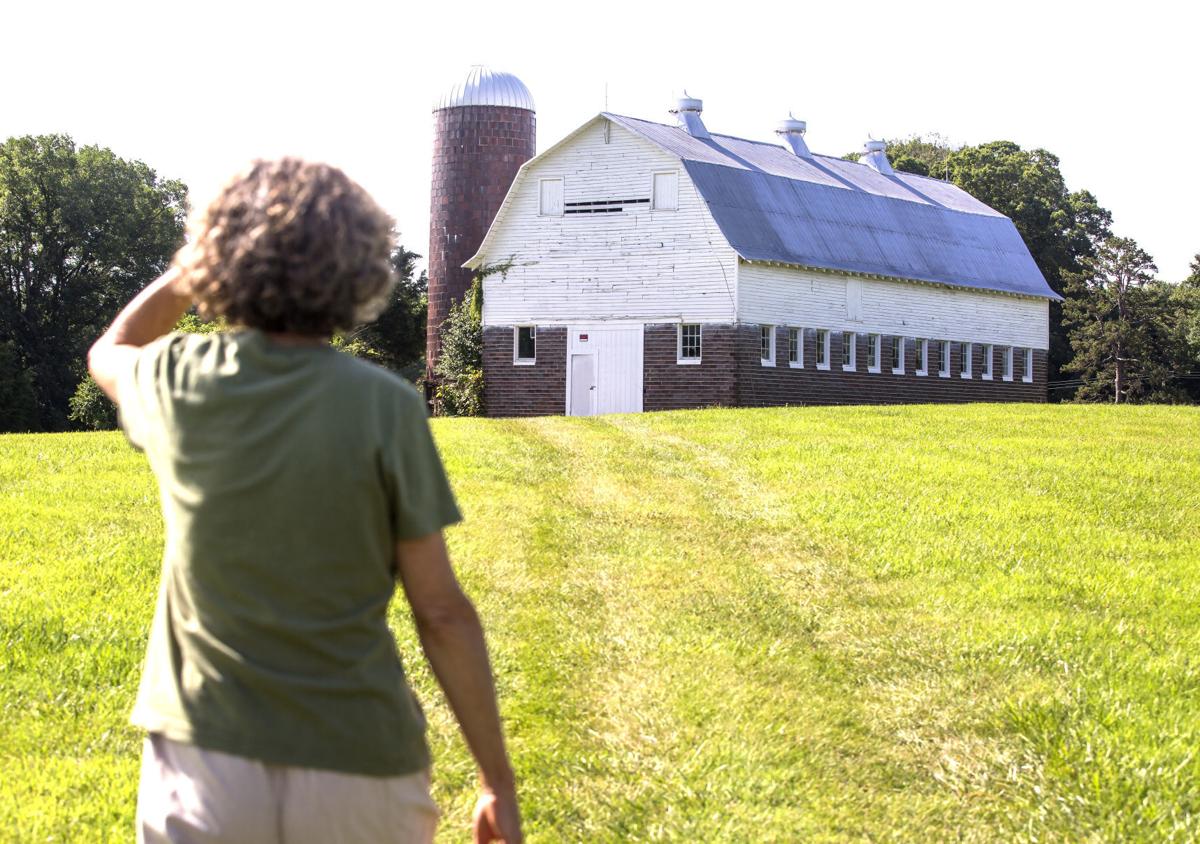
x,y
921,347
1006,365
852,366
875,366
989,360
541,196
898,370
968,350
944,359
517,359
798,363
679,358
824,347
769,361
653,176
1027,375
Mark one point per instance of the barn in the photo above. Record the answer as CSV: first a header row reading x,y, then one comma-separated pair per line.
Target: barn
x,y
641,266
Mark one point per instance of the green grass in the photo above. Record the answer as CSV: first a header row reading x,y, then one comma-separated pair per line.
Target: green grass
x,y
973,623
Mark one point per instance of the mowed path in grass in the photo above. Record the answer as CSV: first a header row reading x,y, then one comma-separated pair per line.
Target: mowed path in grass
x,y
918,623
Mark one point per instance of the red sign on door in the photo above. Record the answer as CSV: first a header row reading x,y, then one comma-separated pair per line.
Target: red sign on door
x,y
582,338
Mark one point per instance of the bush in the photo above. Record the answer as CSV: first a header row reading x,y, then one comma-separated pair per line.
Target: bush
x,y
460,367
18,402
91,409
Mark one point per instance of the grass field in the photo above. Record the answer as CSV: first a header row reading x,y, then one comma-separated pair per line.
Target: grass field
x,y
970,623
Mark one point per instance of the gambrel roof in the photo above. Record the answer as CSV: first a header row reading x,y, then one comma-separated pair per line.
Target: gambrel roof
x,y
772,205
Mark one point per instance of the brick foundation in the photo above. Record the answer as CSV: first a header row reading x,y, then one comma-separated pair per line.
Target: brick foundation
x,y
669,385
538,389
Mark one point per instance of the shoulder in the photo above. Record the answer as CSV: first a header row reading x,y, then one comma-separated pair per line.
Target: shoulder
x,y
393,390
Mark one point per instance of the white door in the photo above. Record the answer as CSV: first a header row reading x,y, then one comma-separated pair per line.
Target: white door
x,y
615,375
583,385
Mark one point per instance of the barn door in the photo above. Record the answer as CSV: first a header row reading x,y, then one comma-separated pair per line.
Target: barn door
x,y
583,385
613,375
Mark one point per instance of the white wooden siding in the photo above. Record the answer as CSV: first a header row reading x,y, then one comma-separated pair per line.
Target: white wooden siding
x,y
785,296
641,264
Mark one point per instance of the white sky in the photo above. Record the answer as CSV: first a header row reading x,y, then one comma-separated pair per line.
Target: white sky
x,y
197,91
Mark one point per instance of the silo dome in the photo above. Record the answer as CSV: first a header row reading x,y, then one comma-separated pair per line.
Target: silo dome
x,y
486,87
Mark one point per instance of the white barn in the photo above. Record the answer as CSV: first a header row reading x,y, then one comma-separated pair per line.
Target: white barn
x,y
657,267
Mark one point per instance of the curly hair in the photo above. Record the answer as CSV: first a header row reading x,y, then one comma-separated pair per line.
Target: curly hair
x,y
290,246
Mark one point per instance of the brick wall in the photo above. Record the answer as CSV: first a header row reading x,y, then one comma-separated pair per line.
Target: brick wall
x,y
669,385
477,151
759,385
539,389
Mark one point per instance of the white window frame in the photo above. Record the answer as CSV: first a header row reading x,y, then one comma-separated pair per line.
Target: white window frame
x,y
517,359
875,359
798,363
898,360
964,367
679,358
989,352
821,343
852,366
922,361
1008,363
1027,375
541,208
768,361
653,205
944,359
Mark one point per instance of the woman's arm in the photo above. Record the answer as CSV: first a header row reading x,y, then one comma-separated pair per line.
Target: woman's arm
x,y
151,314
452,638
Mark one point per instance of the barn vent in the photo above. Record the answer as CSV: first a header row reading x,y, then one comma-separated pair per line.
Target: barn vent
x,y
793,131
876,157
688,110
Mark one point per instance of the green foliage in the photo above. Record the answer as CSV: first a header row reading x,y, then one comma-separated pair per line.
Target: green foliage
x,y
91,409
460,365
1120,327
396,339
81,231
190,323
18,403
867,623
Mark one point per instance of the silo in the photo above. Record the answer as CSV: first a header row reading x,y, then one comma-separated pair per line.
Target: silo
x,y
484,130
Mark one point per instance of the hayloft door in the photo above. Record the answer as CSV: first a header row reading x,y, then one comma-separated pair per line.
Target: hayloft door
x,y
613,375
583,385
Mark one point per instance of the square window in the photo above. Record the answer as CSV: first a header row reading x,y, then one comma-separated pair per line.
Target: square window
x,y
689,343
666,192
897,355
525,344
848,351
822,349
874,352
551,200
766,341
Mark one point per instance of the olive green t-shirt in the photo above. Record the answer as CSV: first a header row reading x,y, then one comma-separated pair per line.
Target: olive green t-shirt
x,y
286,475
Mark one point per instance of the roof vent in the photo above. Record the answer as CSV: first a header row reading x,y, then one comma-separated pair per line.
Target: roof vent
x,y
876,158
793,132
688,109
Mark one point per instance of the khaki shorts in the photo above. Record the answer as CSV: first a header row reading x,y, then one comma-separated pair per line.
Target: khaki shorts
x,y
189,795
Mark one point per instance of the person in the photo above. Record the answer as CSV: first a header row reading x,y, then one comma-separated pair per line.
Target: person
x,y
297,483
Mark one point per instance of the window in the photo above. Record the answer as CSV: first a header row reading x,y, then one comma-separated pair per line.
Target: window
x,y
1008,363
822,349
688,350
796,347
848,351
921,348
766,341
1027,375
551,198
944,358
897,355
524,344
873,352
666,192
964,366
987,361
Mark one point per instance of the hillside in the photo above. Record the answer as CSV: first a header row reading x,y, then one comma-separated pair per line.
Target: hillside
x,y
925,623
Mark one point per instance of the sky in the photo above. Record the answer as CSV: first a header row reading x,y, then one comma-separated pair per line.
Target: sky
x,y
198,90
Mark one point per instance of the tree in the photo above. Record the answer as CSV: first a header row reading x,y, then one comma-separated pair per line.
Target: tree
x,y
81,231
459,368
1121,328
396,339
18,403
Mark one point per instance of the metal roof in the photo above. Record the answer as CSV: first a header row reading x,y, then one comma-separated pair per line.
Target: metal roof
x,y
485,87
827,213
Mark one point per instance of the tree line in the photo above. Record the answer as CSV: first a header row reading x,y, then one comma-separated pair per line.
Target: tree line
x,y
83,230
